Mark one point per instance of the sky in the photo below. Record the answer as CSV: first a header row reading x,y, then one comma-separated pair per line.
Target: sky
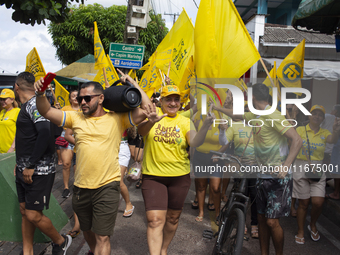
x,y
17,40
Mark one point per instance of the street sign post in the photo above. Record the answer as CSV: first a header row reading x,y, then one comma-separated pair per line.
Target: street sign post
x,y
127,55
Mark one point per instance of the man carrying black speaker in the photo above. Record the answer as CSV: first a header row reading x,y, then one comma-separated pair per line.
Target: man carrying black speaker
x,y
97,179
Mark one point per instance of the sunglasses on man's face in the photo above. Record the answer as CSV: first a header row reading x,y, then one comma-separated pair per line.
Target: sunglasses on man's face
x,y
86,98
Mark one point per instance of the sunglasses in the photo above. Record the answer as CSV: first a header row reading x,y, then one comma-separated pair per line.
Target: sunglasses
x,y
86,98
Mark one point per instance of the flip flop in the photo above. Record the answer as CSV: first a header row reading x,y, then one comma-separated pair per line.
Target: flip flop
x,y
74,233
314,235
129,212
194,205
299,240
330,196
209,207
199,219
254,231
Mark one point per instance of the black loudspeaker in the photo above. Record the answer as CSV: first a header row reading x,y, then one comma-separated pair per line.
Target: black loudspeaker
x,y
122,98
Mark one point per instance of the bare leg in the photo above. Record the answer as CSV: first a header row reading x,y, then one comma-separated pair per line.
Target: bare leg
x,y
124,191
225,183
201,186
215,184
44,224
76,226
301,216
90,239
103,246
156,221
292,207
276,232
60,161
264,234
66,156
27,229
317,203
170,227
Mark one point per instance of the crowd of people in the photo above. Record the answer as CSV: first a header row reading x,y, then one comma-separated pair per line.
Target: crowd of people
x,y
163,138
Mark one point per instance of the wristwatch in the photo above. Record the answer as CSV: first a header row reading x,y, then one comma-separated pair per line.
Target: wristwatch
x,y
39,94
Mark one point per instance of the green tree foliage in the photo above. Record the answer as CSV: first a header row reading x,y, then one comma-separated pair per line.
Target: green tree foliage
x,y
37,11
73,38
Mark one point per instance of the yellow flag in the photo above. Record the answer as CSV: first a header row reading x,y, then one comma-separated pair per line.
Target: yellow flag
x,y
290,71
34,65
146,66
223,47
132,73
99,52
181,36
184,85
61,94
111,74
164,58
150,75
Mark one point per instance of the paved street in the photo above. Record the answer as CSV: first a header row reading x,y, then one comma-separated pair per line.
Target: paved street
x,y
130,233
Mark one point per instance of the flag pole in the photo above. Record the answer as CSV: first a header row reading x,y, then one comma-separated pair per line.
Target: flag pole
x,y
270,78
107,85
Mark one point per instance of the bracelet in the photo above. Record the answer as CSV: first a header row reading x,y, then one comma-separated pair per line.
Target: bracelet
x,y
39,95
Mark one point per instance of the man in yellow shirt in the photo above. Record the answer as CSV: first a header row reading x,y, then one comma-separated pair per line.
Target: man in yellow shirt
x,y
97,136
271,149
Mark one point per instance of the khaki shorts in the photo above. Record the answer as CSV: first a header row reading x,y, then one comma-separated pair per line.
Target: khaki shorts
x,y
303,188
97,208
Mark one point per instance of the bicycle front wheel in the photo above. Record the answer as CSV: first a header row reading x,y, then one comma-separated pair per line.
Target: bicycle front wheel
x,y
233,233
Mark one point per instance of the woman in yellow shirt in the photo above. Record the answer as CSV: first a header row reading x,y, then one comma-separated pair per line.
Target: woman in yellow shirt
x,y
166,167
311,154
8,119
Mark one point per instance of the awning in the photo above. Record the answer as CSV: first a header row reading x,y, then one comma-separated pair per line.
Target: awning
x,y
319,15
315,69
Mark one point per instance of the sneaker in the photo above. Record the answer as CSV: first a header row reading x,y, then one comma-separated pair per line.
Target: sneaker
x,y
66,193
62,249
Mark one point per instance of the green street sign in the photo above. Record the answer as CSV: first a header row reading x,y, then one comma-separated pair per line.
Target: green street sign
x,y
127,55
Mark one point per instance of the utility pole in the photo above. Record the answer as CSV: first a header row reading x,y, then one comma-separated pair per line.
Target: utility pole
x,y
172,14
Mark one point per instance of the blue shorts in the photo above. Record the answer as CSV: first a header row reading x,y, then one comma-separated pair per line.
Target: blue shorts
x,y
204,167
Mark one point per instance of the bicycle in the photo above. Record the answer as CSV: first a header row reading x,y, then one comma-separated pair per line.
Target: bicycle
x,y
232,216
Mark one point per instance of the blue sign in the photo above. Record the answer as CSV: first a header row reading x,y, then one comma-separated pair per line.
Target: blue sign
x,y
131,64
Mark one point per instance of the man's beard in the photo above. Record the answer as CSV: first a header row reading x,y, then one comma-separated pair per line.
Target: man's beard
x,y
91,110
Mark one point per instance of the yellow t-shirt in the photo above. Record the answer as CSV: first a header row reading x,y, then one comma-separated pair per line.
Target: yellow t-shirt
x,y
240,134
270,145
8,128
97,141
211,142
186,114
317,142
165,147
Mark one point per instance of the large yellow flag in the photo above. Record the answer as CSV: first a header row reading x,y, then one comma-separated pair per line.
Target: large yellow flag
x,y
150,75
164,58
34,65
99,52
184,85
61,94
290,70
181,36
111,74
223,47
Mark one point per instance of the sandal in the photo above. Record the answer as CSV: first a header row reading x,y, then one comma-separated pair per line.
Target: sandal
x,y
332,196
211,207
73,233
254,231
194,204
314,235
139,183
224,198
128,213
199,219
299,240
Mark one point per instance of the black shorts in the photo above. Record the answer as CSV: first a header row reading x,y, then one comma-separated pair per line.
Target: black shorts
x,y
161,193
204,167
36,195
274,197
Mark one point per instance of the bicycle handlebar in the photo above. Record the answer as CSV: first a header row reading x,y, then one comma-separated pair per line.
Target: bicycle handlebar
x,y
225,156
